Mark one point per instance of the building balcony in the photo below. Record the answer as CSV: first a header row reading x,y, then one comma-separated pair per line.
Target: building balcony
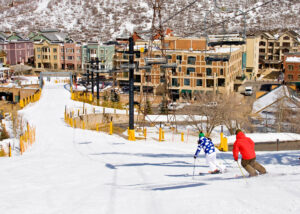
x,y
268,61
122,78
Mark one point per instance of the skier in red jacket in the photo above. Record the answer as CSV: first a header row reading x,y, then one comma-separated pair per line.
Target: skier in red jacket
x,y
245,146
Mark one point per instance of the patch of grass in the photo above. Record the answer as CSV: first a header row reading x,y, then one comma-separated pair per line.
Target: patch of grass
x,y
2,152
4,134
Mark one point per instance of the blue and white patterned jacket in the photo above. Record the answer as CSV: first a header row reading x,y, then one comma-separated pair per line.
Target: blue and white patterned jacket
x,y
205,144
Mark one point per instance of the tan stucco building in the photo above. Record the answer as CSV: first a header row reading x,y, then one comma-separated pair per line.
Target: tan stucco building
x,y
273,47
252,49
47,55
57,56
191,68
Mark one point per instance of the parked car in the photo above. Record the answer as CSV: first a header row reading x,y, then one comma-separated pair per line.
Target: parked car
x,y
248,91
211,104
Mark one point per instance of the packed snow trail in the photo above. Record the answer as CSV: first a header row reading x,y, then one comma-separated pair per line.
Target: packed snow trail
x,y
79,171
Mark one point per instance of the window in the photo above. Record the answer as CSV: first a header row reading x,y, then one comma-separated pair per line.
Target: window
x,y
191,60
137,78
290,67
70,50
39,65
261,50
70,57
221,82
148,78
209,83
298,77
54,50
262,43
286,38
138,54
62,50
290,77
221,72
286,44
55,57
38,49
102,51
208,62
189,70
208,72
179,69
179,58
45,49
187,82
78,50
62,57
78,58
199,82
55,66
39,56
175,82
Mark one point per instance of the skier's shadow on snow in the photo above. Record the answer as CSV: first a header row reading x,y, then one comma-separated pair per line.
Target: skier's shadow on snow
x,y
182,186
89,142
290,159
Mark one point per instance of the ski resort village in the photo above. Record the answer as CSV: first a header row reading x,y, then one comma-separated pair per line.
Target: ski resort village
x,y
149,107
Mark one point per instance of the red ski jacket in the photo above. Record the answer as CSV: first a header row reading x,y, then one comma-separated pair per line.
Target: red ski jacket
x,y
245,146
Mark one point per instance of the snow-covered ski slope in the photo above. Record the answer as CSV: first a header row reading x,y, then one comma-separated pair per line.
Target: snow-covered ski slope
x,y
79,171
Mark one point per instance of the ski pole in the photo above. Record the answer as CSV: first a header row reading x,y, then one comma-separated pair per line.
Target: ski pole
x,y
241,169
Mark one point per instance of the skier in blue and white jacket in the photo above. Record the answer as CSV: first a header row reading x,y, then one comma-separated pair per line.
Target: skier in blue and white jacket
x,y
210,154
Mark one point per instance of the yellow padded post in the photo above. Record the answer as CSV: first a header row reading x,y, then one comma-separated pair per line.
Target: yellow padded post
x,y
110,128
160,134
131,135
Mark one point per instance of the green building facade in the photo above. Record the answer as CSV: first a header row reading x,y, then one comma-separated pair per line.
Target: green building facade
x,y
105,53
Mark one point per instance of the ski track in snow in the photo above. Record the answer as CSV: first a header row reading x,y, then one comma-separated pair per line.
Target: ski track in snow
x,y
79,171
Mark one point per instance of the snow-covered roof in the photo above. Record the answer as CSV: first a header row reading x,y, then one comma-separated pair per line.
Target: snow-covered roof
x,y
270,98
293,59
4,69
55,36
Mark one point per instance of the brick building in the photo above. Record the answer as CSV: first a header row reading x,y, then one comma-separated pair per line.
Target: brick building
x,y
292,68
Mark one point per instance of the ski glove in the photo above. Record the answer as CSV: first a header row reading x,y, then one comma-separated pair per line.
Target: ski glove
x,y
195,156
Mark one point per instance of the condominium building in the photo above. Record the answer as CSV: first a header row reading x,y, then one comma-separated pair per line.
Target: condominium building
x,y
190,67
57,56
273,47
47,55
70,56
104,52
18,50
